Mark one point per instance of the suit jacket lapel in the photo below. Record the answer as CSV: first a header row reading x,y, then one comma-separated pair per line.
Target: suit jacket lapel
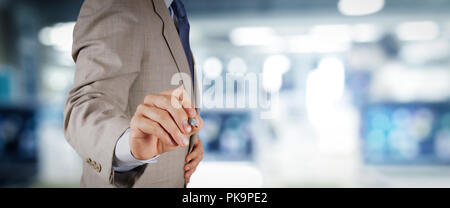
x,y
170,34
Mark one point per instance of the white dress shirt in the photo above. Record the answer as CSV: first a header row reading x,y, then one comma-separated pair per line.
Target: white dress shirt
x,y
123,159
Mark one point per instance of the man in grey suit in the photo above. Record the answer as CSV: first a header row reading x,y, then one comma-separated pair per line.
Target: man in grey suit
x,y
124,116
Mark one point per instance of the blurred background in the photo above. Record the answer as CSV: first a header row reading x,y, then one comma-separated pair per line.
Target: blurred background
x,y
364,92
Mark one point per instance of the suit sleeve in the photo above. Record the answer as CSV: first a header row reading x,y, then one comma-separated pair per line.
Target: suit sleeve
x,y
107,50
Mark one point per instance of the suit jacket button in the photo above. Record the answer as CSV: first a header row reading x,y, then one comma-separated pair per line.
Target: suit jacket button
x,y
89,161
99,168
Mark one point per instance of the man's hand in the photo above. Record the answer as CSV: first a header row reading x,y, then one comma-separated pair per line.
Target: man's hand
x,y
160,124
193,159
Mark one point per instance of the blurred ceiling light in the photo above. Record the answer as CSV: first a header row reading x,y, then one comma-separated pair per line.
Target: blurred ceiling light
x,y
330,38
57,79
300,44
340,32
274,68
423,30
397,83
59,36
420,53
237,66
253,36
360,7
212,67
364,33
315,44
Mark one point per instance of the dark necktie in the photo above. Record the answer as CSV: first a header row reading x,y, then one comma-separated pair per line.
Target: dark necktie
x,y
183,31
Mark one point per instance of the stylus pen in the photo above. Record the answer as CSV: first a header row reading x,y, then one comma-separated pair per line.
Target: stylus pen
x,y
192,122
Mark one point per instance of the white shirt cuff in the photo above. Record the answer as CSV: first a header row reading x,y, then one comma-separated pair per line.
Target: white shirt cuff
x,y
123,159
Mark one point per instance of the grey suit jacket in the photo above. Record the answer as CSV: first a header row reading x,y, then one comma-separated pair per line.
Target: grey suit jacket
x,y
123,51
